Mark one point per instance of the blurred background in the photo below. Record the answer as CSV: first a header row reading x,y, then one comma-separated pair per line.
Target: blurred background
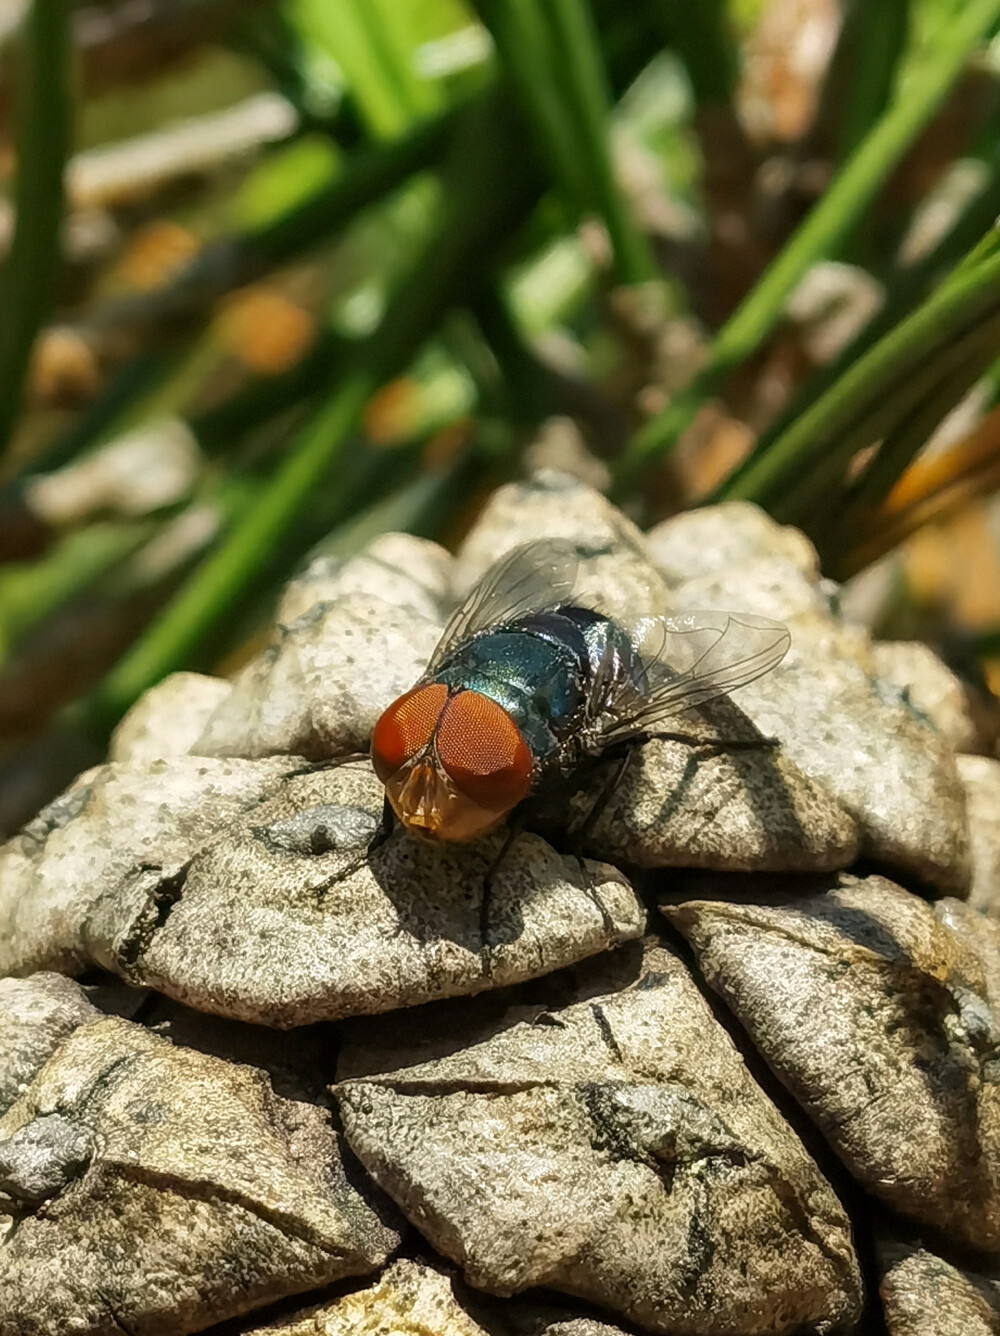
x,y
277,277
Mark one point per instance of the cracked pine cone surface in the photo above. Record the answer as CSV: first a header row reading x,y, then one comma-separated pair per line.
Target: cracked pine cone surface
x,y
730,1069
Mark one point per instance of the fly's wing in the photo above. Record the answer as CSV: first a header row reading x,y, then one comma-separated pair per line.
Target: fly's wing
x,y
533,578
689,660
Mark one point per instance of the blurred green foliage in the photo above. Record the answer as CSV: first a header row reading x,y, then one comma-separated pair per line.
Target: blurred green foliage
x,y
359,253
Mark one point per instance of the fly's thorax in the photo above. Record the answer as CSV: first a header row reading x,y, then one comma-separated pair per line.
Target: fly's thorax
x,y
556,672
539,682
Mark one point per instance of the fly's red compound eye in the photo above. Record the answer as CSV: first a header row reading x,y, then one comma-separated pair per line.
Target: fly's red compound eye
x,y
483,752
405,727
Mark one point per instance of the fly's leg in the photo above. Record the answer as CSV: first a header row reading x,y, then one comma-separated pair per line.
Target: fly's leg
x,y
514,828
621,755
385,827
335,762
594,897
586,818
716,744
331,763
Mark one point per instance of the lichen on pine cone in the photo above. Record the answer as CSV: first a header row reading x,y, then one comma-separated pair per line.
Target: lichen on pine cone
x,y
730,1070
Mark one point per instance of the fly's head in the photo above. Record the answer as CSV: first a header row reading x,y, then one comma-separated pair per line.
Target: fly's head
x,y
453,766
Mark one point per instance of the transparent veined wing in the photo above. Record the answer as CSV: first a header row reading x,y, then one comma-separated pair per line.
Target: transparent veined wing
x,y
691,659
533,578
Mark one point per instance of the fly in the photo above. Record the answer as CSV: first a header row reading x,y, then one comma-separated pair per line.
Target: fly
x,y
531,679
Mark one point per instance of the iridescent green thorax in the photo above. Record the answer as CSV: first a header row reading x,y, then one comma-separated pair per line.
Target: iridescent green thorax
x,y
539,669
